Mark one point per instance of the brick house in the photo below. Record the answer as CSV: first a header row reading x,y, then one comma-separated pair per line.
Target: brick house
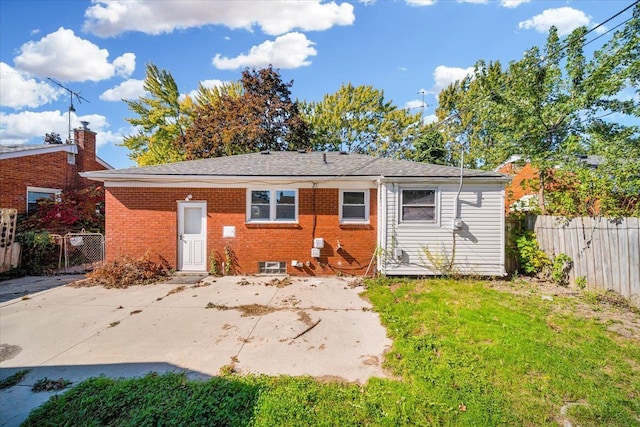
x,y
521,194
306,213
30,172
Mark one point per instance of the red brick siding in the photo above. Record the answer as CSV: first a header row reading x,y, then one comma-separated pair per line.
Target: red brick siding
x,y
50,170
525,181
141,220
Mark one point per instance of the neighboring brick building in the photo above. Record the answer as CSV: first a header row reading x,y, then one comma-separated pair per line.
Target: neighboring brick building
x,y
524,186
305,214
29,172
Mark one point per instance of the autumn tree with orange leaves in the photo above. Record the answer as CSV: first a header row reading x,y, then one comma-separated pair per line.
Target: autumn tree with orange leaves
x,y
259,117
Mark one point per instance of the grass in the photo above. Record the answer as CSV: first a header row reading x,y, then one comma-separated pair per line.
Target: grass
x,y
14,379
463,354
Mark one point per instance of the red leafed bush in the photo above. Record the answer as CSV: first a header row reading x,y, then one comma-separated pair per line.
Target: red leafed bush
x,y
125,272
76,210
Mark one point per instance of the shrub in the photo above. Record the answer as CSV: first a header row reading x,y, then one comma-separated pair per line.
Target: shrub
x,y
560,269
40,254
76,210
532,259
125,272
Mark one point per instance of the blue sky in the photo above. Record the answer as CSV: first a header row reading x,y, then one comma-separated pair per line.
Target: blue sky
x,y
404,47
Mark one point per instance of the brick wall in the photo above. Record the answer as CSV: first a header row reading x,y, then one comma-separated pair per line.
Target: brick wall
x,y
141,220
525,182
49,170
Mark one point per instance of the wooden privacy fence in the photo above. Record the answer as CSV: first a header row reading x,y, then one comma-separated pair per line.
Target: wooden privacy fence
x,y
605,251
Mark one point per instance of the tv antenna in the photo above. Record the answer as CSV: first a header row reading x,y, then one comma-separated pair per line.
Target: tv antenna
x,y
71,109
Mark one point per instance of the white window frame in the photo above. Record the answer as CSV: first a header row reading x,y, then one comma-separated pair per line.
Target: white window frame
x,y
272,206
366,207
436,205
56,192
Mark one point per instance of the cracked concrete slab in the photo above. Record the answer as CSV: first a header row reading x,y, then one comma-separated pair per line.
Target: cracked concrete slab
x,y
77,333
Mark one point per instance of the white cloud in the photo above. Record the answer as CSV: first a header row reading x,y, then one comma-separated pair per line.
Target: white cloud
x,y
125,65
429,118
29,126
18,89
291,50
414,104
65,56
443,76
109,18
420,2
513,3
474,1
206,83
130,89
566,19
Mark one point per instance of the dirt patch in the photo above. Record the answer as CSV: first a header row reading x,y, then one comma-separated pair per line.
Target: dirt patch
x,y
176,290
279,283
608,308
246,310
304,317
8,351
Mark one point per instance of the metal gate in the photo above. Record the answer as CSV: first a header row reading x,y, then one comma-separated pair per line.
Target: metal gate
x,y
82,250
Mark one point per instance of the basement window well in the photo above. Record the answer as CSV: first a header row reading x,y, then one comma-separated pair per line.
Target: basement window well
x,y
272,267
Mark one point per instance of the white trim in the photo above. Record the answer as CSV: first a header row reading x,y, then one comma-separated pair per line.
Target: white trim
x,y
238,183
55,191
272,206
103,163
381,262
44,149
180,219
366,206
436,205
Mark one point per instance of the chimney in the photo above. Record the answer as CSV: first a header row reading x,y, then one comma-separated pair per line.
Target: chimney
x,y
85,138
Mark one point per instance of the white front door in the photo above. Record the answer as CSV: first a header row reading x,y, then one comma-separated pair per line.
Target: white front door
x,y
192,236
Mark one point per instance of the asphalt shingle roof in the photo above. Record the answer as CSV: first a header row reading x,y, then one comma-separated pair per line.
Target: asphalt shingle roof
x,y
295,164
25,147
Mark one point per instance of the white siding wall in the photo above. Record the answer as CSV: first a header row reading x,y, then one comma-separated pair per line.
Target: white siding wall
x,y
479,243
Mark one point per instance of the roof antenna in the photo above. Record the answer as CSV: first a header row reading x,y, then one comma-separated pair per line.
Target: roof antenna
x,y
71,109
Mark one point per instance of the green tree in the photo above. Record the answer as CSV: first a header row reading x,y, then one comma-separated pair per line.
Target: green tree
x,y
161,119
431,147
549,106
255,116
358,119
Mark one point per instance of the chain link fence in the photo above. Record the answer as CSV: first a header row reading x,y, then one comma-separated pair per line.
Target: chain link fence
x,y
82,250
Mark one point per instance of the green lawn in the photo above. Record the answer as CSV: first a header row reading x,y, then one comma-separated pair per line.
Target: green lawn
x,y
463,354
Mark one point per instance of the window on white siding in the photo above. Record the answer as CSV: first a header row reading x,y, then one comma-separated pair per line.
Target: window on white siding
x,y
418,205
272,205
354,206
37,193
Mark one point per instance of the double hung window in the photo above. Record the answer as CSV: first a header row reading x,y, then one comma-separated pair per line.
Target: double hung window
x,y
418,205
272,205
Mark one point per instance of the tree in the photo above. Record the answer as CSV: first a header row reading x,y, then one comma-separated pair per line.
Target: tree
x,y
548,106
430,147
52,138
161,119
257,116
358,119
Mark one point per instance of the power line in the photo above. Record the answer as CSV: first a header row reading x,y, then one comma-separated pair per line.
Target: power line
x,y
541,62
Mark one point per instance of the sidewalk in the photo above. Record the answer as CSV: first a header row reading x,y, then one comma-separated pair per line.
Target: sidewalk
x,y
16,288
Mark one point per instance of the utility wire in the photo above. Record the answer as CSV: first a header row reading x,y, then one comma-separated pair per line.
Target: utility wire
x,y
541,62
